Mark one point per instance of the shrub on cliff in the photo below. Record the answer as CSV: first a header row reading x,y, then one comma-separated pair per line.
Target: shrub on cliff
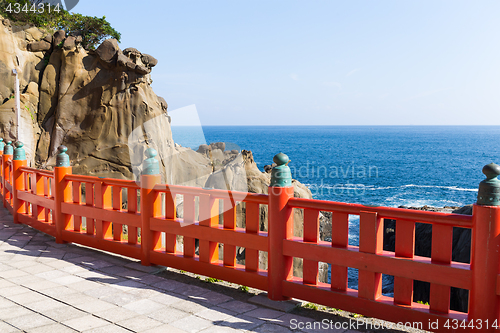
x,y
92,29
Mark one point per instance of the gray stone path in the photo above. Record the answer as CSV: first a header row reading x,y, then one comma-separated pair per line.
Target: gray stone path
x,y
50,287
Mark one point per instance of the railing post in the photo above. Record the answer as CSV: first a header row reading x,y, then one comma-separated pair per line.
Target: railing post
x,y
150,205
7,156
484,304
62,192
2,145
280,227
18,184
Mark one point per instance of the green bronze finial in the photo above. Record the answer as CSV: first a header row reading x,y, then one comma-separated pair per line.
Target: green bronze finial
x,y
151,166
62,159
2,144
281,176
8,149
489,189
19,153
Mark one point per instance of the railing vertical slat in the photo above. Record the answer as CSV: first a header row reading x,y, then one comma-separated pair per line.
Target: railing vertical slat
x,y
38,212
46,194
189,215
6,179
89,201
252,214
405,248
229,223
132,208
170,213
311,235
442,238
117,205
209,217
1,175
371,233
103,201
340,238
77,198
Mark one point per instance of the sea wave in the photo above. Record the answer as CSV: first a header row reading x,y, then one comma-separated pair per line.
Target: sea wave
x,y
453,188
350,186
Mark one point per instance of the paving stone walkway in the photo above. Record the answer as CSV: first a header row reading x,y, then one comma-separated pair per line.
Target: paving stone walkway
x,y
50,287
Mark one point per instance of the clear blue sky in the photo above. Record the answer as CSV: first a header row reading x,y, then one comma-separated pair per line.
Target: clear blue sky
x,y
346,62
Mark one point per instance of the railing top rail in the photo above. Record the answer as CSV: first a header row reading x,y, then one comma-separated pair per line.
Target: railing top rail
x,y
215,193
81,178
456,220
120,182
105,181
45,173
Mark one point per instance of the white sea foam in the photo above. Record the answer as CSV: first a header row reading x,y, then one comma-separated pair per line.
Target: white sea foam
x,y
453,188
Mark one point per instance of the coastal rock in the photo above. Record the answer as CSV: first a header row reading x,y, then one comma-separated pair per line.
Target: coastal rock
x,y
108,50
39,46
57,38
69,43
149,60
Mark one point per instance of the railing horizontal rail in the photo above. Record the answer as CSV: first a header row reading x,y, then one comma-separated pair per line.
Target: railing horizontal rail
x,y
236,236
215,193
383,307
117,216
36,199
419,268
121,182
48,228
110,245
236,274
80,178
456,220
44,173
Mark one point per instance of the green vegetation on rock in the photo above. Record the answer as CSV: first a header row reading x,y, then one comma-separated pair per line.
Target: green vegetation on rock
x,y
92,29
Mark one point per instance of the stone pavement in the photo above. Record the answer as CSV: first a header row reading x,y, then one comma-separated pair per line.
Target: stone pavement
x,y
50,287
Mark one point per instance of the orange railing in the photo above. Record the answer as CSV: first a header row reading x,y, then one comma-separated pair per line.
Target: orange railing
x,y
88,210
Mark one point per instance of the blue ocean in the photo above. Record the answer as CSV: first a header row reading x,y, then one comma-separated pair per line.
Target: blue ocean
x,y
380,165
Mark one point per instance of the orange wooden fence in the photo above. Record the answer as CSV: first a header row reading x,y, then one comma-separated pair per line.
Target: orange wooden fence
x,y
58,202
